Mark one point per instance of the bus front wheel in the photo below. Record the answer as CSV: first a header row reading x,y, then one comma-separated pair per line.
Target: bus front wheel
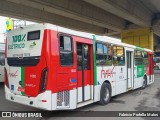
x,y
105,94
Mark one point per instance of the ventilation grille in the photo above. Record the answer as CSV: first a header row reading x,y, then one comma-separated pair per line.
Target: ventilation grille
x,y
63,99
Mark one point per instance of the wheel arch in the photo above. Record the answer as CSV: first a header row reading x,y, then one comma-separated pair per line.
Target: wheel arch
x,y
107,81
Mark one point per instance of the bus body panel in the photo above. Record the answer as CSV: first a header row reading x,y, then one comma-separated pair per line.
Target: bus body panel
x,y
106,73
23,77
20,44
121,79
32,77
144,70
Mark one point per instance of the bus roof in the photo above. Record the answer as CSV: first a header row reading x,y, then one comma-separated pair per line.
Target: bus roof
x,y
82,34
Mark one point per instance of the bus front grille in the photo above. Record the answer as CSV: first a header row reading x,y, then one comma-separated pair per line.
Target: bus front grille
x,y
63,99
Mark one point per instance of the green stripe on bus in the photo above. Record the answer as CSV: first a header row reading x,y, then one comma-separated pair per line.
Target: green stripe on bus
x,y
94,54
22,79
139,48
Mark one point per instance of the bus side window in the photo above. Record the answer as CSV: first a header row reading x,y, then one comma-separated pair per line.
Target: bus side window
x,y
2,60
118,55
66,51
145,57
104,54
107,54
99,55
138,57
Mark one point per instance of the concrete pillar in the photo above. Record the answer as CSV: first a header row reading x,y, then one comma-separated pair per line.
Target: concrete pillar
x,y
139,37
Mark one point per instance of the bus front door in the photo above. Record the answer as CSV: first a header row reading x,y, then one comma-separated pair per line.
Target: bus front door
x,y
129,69
84,72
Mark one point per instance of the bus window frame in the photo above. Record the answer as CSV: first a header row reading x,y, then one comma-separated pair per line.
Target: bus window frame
x,y
141,57
30,32
72,48
121,56
99,53
145,58
108,45
104,44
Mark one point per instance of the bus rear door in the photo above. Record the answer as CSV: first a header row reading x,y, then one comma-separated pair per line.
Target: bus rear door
x,y
84,71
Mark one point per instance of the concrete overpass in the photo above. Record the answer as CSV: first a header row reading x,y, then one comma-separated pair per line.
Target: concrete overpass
x,y
107,17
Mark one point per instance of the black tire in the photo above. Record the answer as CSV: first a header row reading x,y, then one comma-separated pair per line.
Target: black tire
x,y
105,94
144,85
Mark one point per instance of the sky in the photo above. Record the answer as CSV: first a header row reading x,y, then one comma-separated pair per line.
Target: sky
x,y
3,27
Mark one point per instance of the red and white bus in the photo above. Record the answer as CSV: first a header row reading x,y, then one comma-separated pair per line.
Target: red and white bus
x,y
55,68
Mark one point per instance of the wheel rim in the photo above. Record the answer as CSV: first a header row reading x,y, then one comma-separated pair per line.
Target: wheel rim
x,y
106,94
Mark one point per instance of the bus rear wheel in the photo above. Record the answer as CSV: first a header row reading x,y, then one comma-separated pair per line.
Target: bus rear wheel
x,y
105,94
144,82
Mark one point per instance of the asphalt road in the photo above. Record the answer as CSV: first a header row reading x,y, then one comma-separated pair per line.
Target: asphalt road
x,y
137,100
